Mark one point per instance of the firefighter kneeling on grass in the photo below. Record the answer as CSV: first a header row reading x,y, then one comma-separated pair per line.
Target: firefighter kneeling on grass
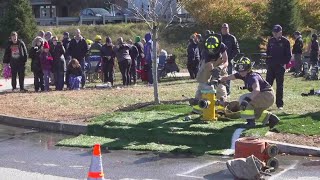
x,y
213,65
254,104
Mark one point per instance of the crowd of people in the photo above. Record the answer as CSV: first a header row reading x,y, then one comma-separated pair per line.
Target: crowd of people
x,y
61,62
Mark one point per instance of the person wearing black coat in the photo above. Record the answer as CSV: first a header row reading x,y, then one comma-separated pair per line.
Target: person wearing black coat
x,y
314,50
297,52
16,55
36,65
140,48
78,49
66,43
193,57
134,54
59,64
124,60
108,57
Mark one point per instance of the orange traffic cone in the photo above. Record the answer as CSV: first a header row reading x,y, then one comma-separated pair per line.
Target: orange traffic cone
x,y
96,170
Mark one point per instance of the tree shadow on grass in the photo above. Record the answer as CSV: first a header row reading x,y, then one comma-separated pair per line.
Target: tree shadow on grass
x,y
313,115
179,136
146,104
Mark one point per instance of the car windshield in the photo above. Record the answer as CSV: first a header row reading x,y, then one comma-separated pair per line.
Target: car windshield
x,y
100,11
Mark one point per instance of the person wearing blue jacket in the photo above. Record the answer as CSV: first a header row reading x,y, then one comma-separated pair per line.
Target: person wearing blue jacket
x,y
278,55
148,56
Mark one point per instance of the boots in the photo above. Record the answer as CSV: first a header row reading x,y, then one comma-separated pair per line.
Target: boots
x,y
251,123
273,120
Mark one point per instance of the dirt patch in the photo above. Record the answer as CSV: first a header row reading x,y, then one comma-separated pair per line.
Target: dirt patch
x,y
294,139
80,106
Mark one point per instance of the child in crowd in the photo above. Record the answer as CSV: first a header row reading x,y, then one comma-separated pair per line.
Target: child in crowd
x,y
46,61
74,75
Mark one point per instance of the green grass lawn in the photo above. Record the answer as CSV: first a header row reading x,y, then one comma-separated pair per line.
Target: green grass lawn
x,y
162,128
157,128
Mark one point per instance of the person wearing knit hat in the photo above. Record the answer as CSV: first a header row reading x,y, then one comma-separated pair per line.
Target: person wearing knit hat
x,y
108,57
46,64
140,48
137,39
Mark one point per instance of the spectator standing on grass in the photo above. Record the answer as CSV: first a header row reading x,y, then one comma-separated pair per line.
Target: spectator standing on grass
x,y
140,48
148,57
233,49
199,41
122,51
314,50
74,75
46,61
193,57
34,54
16,55
297,52
48,37
66,42
108,57
279,54
78,49
134,54
95,51
59,63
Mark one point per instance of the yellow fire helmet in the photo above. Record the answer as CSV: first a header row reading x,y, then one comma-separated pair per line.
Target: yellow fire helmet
x,y
89,42
98,38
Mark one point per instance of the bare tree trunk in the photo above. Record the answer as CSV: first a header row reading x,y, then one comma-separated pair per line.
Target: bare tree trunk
x,y
154,52
155,65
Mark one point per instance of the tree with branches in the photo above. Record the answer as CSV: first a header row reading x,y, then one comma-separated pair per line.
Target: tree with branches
x,y
158,15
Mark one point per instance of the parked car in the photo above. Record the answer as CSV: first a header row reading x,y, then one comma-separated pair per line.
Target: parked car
x,y
98,12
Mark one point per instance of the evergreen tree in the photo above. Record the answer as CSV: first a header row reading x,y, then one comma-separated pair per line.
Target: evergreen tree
x,y
284,12
18,17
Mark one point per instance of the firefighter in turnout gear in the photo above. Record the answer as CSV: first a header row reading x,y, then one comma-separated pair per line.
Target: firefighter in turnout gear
x,y
213,66
253,105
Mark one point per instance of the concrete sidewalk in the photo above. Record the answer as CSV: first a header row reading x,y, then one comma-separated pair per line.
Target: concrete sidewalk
x,y
14,174
5,85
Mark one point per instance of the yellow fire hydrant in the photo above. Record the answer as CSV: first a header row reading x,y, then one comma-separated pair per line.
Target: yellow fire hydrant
x,y
208,105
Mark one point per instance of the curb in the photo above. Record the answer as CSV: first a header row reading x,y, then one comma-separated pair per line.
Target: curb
x,y
294,149
44,125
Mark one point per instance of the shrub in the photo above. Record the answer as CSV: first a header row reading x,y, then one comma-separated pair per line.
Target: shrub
x,y
18,17
286,13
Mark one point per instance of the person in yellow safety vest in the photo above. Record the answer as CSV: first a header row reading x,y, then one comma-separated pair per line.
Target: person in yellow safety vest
x,y
253,105
96,46
213,66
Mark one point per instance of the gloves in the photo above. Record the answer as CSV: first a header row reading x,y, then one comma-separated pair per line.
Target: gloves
x,y
216,73
245,103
